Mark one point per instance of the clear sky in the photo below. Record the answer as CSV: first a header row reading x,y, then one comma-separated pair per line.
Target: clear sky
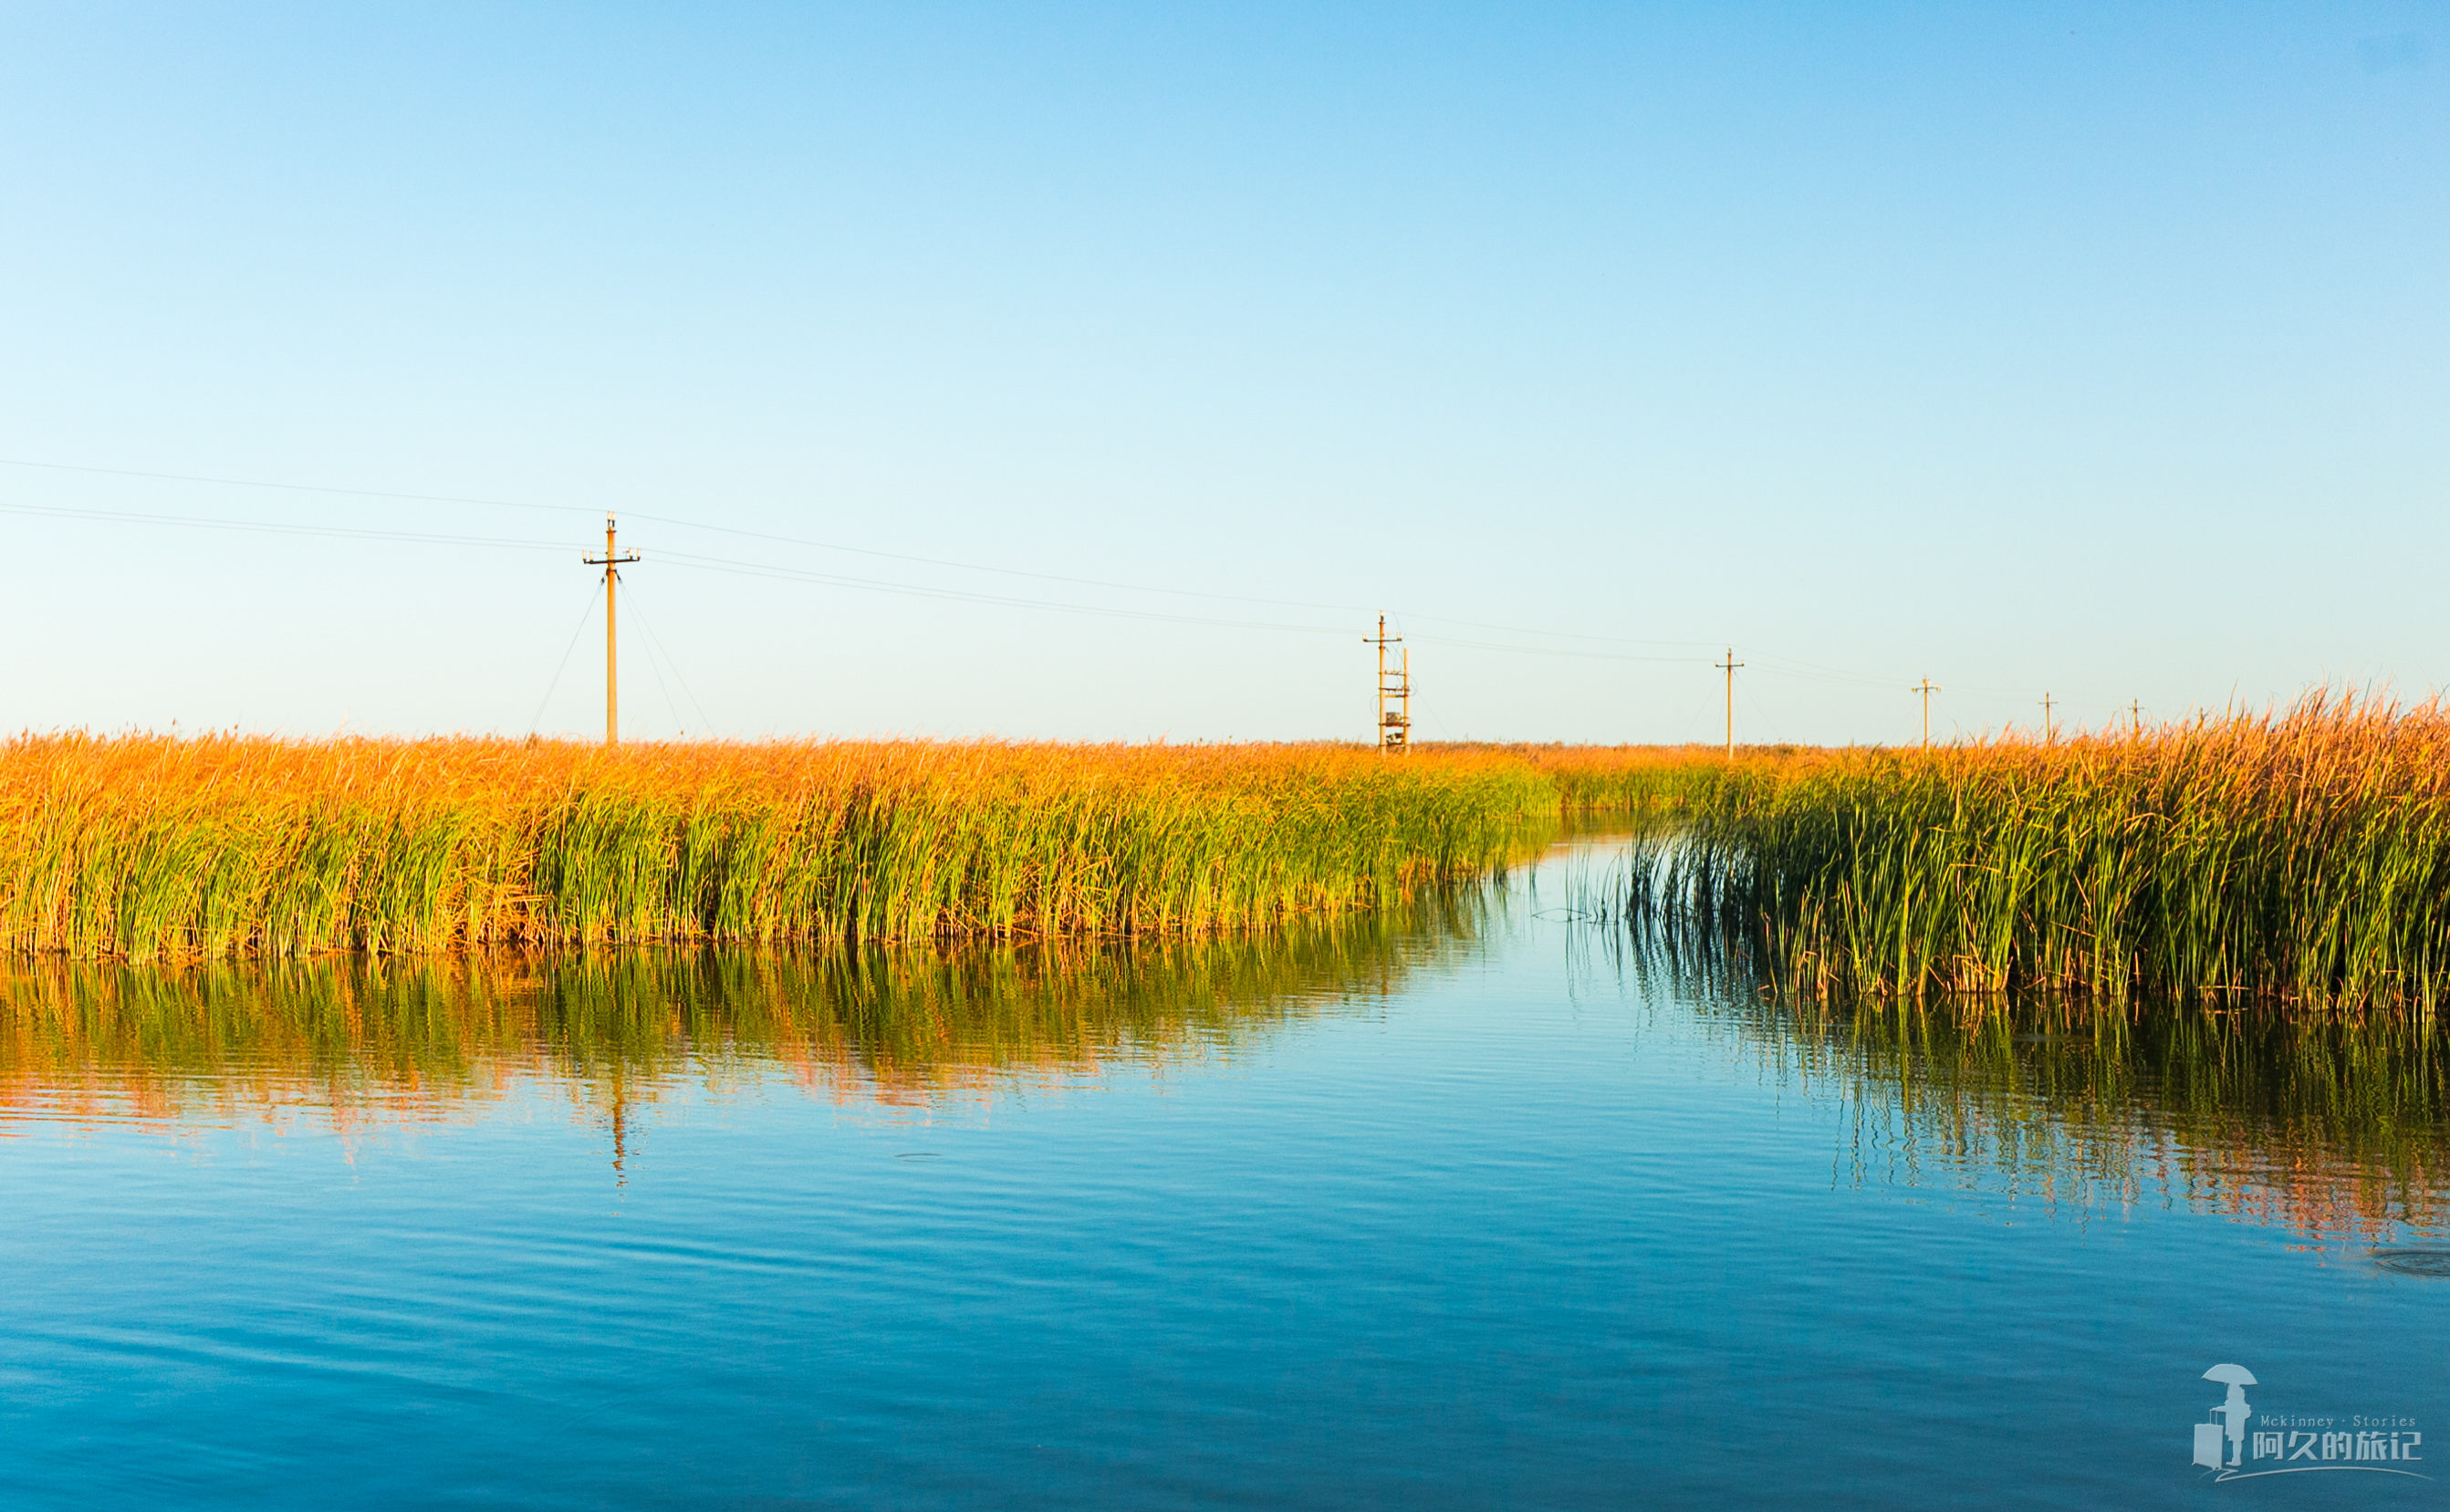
x,y
2096,350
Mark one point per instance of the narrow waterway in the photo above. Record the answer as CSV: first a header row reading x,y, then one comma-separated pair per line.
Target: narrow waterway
x,y
1477,1205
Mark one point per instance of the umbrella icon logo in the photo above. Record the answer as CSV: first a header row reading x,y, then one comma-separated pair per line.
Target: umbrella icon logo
x,y
2294,1442
2234,1409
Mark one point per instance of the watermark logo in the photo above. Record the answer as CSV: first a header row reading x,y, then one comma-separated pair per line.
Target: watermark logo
x,y
2293,1443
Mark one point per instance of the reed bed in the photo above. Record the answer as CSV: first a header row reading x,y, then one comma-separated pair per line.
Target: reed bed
x,y
367,1041
1622,779
154,848
2300,858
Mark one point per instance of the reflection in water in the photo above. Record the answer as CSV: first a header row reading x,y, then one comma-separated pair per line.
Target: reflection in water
x,y
2329,1127
370,1042
2332,1127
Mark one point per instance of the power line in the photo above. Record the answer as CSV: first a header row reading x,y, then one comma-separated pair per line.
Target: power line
x,y
657,642
691,559
719,564
785,573
277,528
1755,709
584,616
661,686
733,566
292,488
707,563
660,520
1788,667
788,540
1547,651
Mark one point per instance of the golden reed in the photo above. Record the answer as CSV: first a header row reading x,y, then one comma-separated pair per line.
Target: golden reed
x,y
154,848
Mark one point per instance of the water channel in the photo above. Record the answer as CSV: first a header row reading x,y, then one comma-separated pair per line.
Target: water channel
x,y
1474,1204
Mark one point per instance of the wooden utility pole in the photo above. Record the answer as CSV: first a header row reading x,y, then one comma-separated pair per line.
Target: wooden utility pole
x,y
2136,708
610,561
1729,667
2045,717
1395,726
1926,688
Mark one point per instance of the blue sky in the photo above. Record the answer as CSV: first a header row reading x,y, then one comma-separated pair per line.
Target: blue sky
x,y
2094,350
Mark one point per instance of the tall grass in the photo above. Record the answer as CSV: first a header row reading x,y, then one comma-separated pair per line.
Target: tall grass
x,y
2300,858
361,1040
148,848
1623,779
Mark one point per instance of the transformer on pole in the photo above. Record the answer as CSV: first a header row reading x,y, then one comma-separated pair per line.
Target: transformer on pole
x,y
1395,691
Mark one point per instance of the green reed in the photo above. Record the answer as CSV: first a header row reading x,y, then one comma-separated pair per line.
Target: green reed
x,y
145,847
2303,858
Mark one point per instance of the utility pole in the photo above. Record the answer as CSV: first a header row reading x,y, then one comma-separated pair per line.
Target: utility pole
x,y
1926,688
2137,710
608,561
2045,717
1729,667
1395,728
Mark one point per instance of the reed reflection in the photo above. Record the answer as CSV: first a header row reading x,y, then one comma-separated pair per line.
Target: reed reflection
x,y
358,1041
2331,1126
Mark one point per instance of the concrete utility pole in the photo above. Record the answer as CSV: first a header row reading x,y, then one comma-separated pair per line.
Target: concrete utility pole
x,y
1729,667
2045,717
608,561
1395,728
1926,688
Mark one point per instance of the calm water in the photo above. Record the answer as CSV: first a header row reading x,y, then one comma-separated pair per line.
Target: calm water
x,y
1477,1208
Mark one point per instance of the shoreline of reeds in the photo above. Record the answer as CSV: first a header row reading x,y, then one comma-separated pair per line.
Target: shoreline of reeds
x,y
2298,860
220,846
369,1039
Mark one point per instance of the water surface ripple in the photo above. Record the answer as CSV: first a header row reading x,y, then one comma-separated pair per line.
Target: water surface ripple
x,y
1470,1205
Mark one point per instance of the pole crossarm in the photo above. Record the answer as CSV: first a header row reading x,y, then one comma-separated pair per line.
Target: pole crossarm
x,y
612,561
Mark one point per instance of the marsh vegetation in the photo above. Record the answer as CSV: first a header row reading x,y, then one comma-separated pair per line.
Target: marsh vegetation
x,y
2299,858
145,847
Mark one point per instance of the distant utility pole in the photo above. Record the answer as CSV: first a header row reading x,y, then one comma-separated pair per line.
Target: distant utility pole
x,y
2137,710
1926,688
1729,667
1395,726
608,561
2046,716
